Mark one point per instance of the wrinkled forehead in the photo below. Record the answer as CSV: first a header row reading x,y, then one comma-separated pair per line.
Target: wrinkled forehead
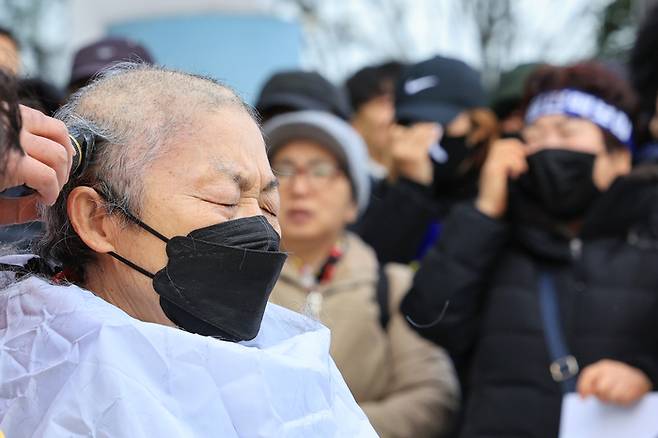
x,y
223,145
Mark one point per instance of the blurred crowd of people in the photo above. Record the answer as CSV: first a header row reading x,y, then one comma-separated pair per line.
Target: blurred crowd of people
x,y
476,255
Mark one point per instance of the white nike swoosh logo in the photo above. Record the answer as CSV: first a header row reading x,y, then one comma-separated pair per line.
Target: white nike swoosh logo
x,y
413,86
438,154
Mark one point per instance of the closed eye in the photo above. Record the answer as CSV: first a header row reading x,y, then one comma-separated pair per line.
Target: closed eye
x,y
223,204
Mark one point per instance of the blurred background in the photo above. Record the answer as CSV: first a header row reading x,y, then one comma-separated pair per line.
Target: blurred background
x,y
243,41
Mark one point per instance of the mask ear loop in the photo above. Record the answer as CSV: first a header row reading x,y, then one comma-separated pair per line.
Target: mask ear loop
x,y
142,225
132,265
145,227
132,218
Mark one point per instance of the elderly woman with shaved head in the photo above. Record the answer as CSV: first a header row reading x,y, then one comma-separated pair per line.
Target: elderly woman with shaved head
x,y
145,313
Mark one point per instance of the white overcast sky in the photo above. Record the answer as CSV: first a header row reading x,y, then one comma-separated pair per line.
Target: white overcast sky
x,y
546,31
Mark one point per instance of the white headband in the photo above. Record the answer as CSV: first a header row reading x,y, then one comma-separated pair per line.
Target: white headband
x,y
576,103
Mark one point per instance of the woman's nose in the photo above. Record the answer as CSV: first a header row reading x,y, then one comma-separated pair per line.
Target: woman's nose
x,y
300,184
250,208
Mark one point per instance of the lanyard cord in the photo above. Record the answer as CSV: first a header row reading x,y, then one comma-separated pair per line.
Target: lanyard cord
x,y
328,269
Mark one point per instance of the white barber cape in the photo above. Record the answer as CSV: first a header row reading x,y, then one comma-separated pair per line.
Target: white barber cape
x,y
73,365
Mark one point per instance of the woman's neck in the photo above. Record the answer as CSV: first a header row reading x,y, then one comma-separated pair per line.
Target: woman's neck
x,y
131,292
311,253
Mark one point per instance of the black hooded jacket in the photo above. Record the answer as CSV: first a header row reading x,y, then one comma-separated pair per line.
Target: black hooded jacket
x,y
476,294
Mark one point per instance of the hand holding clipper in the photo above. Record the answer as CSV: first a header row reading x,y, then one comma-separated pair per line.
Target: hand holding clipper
x,y
38,174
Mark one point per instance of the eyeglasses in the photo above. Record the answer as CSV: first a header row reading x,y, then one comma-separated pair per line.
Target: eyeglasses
x,y
317,174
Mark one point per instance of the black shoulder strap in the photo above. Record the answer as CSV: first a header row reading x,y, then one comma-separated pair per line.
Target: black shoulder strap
x,y
564,366
382,298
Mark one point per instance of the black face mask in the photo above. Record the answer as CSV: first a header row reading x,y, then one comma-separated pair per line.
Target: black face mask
x,y
560,181
518,135
450,178
218,279
457,151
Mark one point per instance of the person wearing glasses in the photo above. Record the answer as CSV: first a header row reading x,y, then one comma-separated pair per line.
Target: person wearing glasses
x,y
406,386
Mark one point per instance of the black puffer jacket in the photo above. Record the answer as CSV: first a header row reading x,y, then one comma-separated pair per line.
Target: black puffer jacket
x,y
483,276
397,219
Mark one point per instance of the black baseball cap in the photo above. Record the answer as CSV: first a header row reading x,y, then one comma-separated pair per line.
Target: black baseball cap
x,y
301,90
104,53
437,90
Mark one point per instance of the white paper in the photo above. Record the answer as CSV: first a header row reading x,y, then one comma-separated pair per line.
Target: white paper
x,y
591,418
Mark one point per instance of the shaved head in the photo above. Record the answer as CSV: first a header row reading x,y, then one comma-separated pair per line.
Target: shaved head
x,y
137,112
148,105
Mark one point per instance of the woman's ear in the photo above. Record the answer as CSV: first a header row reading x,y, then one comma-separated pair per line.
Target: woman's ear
x,y
90,219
